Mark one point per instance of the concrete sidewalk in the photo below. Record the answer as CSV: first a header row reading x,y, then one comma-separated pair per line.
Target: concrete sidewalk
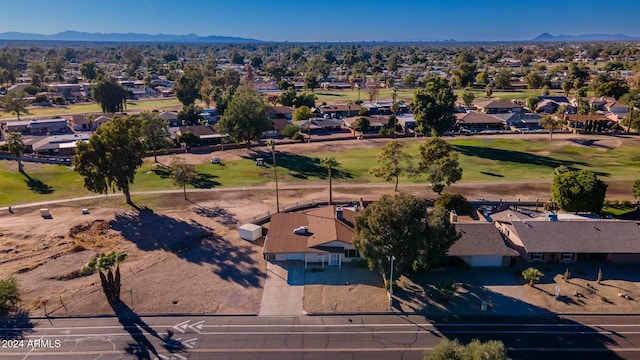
x,y
283,289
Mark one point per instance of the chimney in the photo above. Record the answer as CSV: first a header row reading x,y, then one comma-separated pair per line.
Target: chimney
x,y
339,212
453,216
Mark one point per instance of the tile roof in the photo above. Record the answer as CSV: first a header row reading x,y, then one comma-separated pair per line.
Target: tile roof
x,y
603,236
478,118
479,239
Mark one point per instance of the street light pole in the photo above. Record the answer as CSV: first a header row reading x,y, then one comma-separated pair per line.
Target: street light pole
x,y
391,285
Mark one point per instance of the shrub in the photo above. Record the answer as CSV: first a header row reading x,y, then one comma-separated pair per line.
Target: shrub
x,y
567,275
297,136
290,130
41,98
447,288
30,89
626,203
419,266
532,275
453,350
9,295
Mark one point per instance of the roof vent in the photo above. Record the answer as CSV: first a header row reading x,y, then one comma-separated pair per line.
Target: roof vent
x,y
301,230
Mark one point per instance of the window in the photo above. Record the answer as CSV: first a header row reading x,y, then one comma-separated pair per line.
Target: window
x,y
566,256
536,256
351,253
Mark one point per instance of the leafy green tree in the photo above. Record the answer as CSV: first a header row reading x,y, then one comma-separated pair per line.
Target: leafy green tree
x,y
290,130
247,116
433,107
439,162
361,125
133,59
482,78
311,81
578,191
15,102
111,96
111,157
189,139
302,113
552,124
288,97
502,80
392,163
455,202
612,88
190,115
330,162
155,132
532,275
108,267
16,147
464,74
534,80
475,350
636,189
305,99
468,97
182,173
188,86
400,226
9,295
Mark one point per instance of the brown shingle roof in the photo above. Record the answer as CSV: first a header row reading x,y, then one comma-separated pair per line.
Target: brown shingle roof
x,y
323,226
595,236
479,239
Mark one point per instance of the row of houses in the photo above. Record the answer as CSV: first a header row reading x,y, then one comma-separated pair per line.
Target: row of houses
x,y
325,236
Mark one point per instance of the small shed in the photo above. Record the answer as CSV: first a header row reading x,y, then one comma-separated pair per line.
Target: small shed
x,y
251,232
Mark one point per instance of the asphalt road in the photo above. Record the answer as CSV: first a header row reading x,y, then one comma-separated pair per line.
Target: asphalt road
x,y
316,337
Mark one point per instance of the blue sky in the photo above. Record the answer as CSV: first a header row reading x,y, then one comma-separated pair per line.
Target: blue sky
x,y
327,20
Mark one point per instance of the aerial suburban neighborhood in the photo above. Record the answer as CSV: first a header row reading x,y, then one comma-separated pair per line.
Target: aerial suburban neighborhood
x,y
183,194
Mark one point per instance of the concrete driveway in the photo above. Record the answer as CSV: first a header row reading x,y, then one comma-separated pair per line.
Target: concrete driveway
x,y
283,289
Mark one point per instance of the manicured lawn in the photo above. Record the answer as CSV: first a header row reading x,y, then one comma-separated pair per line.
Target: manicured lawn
x,y
483,160
133,106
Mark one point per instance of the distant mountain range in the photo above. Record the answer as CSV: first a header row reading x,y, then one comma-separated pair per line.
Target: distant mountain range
x,y
585,37
128,37
213,39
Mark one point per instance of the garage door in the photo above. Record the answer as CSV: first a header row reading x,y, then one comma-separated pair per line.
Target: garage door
x,y
481,261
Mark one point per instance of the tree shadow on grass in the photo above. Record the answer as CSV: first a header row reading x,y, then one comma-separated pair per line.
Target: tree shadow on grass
x,y
204,181
192,242
163,173
36,185
15,325
514,156
136,327
302,167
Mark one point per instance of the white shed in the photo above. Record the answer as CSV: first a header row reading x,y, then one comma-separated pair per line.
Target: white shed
x,y
251,232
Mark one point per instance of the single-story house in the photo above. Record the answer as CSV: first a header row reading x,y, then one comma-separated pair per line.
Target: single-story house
x,y
80,122
498,107
59,144
319,125
520,121
578,121
321,235
278,125
614,241
474,121
36,127
207,134
340,110
481,245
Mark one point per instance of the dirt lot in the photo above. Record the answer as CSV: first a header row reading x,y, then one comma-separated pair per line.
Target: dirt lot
x,y
185,260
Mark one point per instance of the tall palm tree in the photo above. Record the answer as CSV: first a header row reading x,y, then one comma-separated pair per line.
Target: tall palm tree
x,y
105,264
330,162
272,144
394,108
16,146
